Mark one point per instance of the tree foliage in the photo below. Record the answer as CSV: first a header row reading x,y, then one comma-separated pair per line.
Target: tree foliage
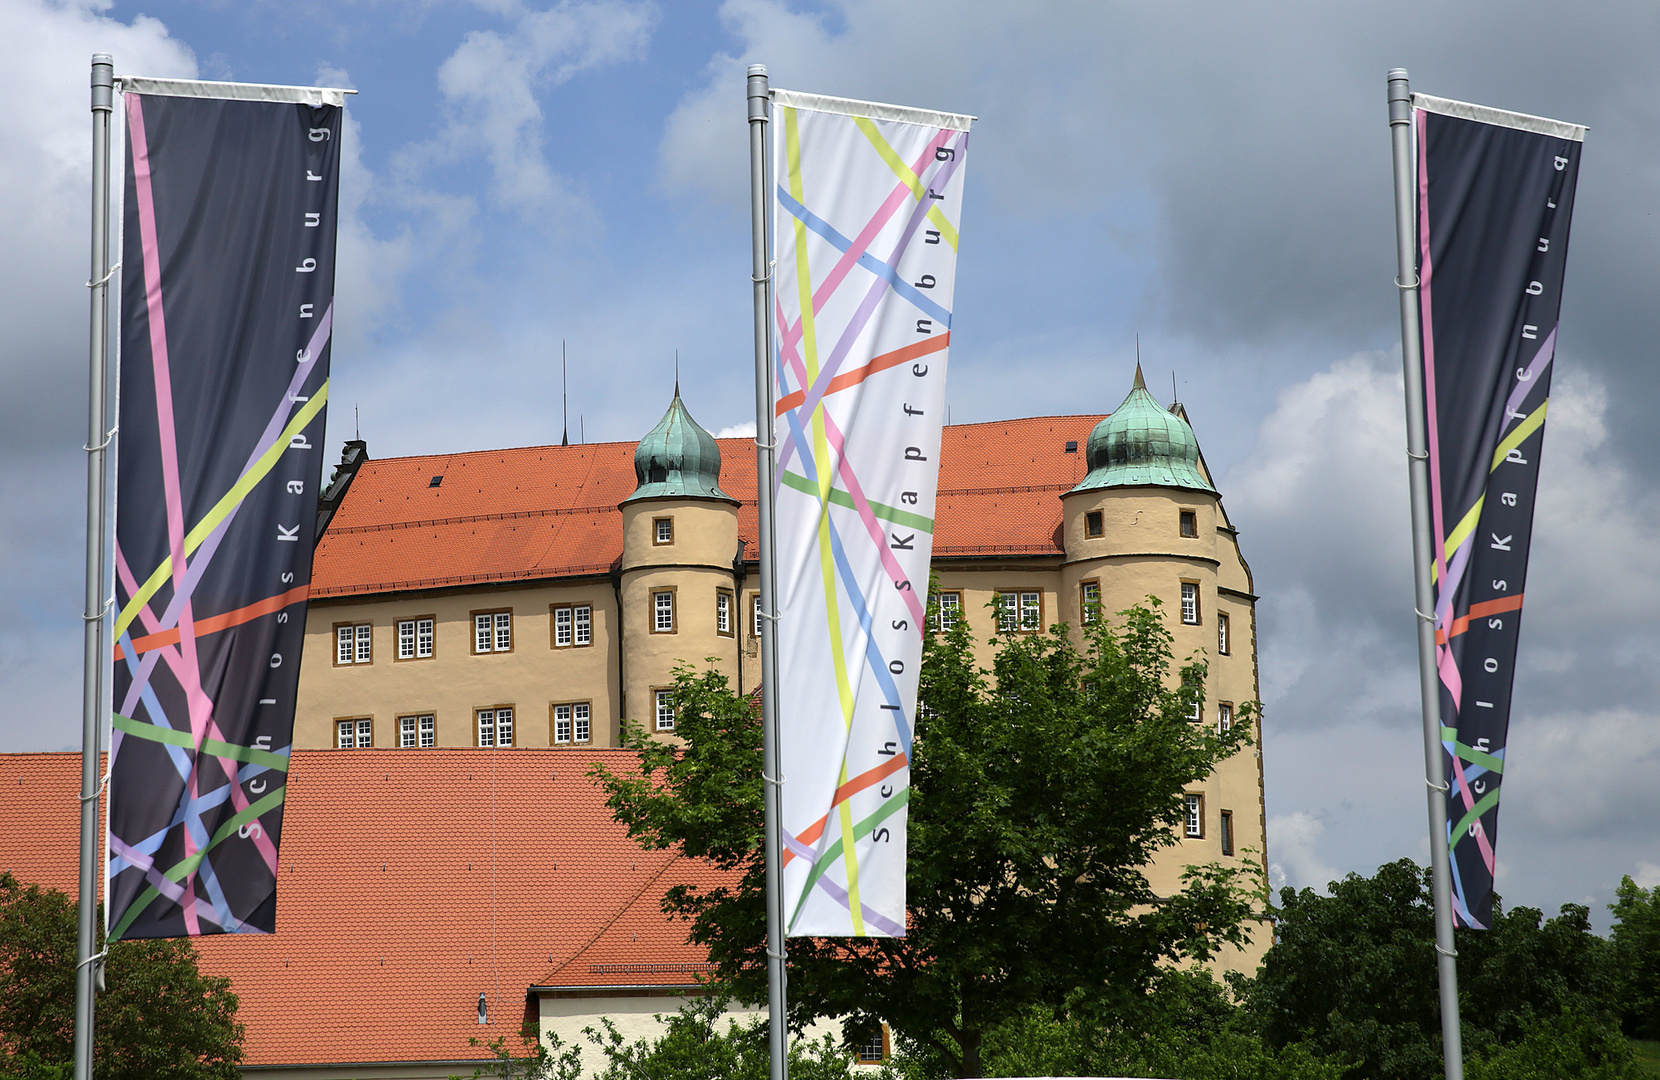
x,y
1041,789
159,1018
1636,941
1353,976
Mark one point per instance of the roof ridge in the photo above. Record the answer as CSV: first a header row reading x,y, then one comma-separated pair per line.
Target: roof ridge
x,y
462,519
612,921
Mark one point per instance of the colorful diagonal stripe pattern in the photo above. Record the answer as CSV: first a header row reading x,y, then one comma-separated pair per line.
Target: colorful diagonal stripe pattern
x,y
866,210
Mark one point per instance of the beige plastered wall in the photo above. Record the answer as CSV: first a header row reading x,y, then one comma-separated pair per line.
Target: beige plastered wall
x,y
696,566
455,681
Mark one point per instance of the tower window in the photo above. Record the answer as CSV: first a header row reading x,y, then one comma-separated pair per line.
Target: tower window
x,y
662,611
1224,717
1090,602
1092,523
1225,827
1222,645
1190,523
662,530
723,612
1190,603
664,700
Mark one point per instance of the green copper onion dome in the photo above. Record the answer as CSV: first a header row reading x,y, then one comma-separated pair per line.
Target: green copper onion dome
x,y
1143,444
677,457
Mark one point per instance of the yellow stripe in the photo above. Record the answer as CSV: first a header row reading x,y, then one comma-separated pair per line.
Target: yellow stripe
x,y
222,509
907,177
850,860
1467,524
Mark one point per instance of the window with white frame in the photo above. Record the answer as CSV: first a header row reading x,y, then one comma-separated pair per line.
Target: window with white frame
x,y
1090,599
1195,805
874,1050
1195,697
415,638
355,734
1190,603
1020,612
492,631
419,732
1224,717
723,612
662,611
755,614
1222,644
495,726
665,709
353,643
662,530
948,608
572,723
573,625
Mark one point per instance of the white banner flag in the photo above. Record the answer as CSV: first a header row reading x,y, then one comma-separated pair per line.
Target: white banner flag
x,y
865,241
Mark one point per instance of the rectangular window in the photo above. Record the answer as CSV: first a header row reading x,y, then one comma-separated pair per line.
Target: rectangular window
x,y
1225,827
1091,602
417,731
662,612
353,643
415,638
662,530
948,609
573,625
584,624
1019,612
1190,603
723,612
354,734
1190,523
665,709
492,631
1222,634
563,627
495,726
874,1050
1195,815
572,723
755,614
1224,717
1092,523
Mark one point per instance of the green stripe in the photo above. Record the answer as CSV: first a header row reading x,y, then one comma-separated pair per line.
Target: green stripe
x,y
1484,804
1470,753
209,746
842,498
188,866
834,851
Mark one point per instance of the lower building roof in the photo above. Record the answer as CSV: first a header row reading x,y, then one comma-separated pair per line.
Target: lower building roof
x,y
411,882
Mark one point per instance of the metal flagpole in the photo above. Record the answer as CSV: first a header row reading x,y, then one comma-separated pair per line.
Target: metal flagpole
x,y
760,109
1417,452
95,652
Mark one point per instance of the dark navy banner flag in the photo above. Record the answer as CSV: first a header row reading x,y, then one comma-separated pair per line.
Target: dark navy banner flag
x,y
1495,196
226,306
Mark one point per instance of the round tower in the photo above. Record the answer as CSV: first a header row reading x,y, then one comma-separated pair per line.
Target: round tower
x,y
680,539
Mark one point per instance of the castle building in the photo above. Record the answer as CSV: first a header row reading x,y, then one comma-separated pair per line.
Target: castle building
x,y
535,597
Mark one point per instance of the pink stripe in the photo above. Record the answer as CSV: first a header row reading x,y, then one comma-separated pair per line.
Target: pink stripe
x,y
868,516
1482,842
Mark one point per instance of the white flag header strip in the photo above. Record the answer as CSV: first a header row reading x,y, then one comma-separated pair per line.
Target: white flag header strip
x,y
865,241
231,91
873,110
1539,125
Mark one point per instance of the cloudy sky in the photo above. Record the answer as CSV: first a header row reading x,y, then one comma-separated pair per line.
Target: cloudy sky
x,y
1212,177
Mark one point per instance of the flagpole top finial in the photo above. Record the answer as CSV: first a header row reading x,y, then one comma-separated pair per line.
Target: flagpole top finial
x,y
757,69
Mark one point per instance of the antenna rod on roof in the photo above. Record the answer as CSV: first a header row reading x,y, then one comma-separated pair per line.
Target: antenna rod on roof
x,y
1173,396
357,424
564,398
677,373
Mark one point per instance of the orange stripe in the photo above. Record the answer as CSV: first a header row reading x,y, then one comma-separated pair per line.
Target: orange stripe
x,y
215,623
1480,611
858,783
858,375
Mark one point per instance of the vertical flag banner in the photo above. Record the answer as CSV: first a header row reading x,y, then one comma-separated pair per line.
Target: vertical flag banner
x,y
868,200
226,306
1495,197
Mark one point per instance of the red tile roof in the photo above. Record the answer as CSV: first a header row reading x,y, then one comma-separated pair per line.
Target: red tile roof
x,y
551,511
410,883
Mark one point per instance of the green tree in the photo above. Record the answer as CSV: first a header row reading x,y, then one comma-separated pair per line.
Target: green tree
x,y
1040,791
1636,941
1353,976
694,1046
159,1018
